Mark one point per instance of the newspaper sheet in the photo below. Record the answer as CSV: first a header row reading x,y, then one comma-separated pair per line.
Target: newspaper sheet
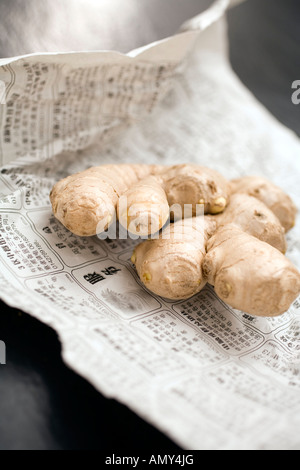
x,y
208,376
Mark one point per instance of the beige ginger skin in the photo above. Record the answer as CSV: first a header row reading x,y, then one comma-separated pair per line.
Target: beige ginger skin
x,y
244,259
149,201
195,184
143,209
271,195
171,266
249,274
85,203
141,195
239,248
255,218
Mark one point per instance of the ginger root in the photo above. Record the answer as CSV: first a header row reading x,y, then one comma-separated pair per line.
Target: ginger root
x,y
243,259
171,266
271,195
255,218
175,192
140,195
249,274
194,184
85,203
143,209
238,246
246,272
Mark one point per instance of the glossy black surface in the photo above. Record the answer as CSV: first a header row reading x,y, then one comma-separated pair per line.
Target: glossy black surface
x,y
43,404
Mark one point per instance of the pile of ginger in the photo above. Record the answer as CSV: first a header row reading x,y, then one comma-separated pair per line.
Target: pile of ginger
x,y
236,242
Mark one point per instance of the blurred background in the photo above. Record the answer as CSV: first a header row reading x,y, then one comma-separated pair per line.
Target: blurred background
x,y
43,404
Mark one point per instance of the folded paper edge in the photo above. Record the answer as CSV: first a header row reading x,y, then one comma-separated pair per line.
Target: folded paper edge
x,y
196,24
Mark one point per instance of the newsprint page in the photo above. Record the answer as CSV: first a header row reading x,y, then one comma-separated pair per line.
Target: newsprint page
x,y
208,376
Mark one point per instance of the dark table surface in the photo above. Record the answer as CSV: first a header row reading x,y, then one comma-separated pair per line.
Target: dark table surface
x,y
44,405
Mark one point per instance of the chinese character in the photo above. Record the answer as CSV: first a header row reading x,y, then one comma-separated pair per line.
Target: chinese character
x,y
94,278
60,246
110,271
